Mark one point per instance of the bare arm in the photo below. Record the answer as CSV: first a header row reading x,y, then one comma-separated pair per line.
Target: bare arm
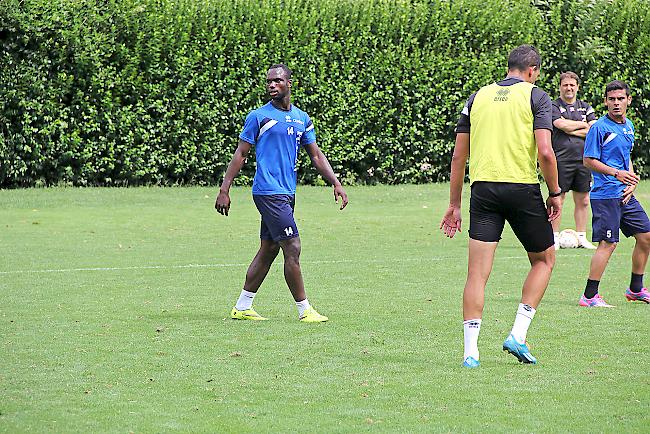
x,y
458,165
322,164
629,189
548,166
222,203
451,220
582,132
571,127
627,177
546,158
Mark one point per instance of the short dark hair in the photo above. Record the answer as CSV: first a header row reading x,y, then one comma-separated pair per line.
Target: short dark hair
x,y
617,85
524,56
569,74
284,68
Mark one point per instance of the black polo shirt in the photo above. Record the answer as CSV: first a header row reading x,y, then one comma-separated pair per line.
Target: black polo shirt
x,y
566,146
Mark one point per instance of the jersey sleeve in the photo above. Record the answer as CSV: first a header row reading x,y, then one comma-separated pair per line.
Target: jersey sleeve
x,y
251,129
633,131
541,105
555,111
309,136
590,114
464,125
592,143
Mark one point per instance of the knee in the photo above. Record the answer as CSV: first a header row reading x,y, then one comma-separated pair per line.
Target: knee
x,y
291,249
549,259
608,247
270,249
644,241
545,259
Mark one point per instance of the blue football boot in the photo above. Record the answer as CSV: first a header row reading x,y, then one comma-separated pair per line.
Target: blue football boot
x,y
520,351
470,362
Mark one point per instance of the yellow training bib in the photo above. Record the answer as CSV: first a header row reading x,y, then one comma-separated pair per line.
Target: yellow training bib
x,y
502,142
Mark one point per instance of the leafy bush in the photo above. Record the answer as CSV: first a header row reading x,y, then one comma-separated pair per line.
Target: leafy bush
x,y
123,92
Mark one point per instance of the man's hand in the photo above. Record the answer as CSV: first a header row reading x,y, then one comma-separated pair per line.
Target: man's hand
x,y
451,221
340,192
222,205
627,193
627,178
553,207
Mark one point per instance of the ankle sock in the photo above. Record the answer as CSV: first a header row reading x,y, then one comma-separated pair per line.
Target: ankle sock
x,y
525,315
302,306
592,288
471,329
245,300
636,283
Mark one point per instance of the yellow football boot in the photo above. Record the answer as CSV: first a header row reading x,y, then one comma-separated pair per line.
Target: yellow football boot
x,y
310,315
246,314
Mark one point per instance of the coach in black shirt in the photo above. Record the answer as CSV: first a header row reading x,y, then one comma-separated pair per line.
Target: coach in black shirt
x,y
571,121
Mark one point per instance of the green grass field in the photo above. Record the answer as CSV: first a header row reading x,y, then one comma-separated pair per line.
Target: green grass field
x,y
114,309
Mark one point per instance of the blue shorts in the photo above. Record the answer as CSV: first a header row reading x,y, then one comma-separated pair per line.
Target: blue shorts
x,y
610,215
277,216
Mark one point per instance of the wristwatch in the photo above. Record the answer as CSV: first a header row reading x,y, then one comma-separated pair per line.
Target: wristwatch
x,y
558,193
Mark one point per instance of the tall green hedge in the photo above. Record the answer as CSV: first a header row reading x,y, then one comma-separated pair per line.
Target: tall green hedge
x,y
123,92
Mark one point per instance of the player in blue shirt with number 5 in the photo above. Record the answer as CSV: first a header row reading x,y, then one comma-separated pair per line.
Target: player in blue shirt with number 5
x,y
608,146
277,130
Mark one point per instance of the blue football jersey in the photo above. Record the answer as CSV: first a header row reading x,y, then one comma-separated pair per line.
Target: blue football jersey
x,y
611,143
277,136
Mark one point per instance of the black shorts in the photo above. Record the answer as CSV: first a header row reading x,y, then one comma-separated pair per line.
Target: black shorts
x,y
573,175
277,216
522,205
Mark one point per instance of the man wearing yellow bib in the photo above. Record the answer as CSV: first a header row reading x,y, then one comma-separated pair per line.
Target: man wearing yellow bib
x,y
505,130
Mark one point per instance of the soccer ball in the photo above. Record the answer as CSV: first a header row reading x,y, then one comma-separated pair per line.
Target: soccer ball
x,y
569,239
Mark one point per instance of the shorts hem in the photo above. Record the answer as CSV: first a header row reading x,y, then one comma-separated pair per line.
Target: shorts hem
x,y
596,240
285,237
542,250
273,193
484,241
576,190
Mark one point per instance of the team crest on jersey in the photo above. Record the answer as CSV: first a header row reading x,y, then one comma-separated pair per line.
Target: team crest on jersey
x,y
502,94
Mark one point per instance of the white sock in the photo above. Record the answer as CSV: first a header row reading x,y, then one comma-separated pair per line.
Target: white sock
x,y
471,328
245,300
302,306
556,236
525,315
582,235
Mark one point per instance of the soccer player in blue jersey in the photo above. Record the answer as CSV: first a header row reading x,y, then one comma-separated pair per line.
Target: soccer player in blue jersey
x,y
277,130
613,206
